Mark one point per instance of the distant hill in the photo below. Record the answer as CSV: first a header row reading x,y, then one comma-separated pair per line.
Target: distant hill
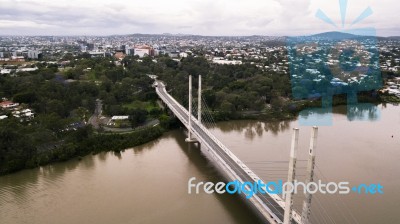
x,y
335,35
394,38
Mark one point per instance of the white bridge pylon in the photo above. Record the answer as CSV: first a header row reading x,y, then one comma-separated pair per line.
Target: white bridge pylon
x,y
190,135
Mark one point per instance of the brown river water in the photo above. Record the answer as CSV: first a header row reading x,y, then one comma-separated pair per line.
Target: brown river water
x,y
148,184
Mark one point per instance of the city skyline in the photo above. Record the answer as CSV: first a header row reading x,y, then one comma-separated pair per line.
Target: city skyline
x,y
207,18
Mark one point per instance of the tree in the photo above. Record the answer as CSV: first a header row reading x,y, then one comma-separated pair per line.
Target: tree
x,y
16,148
137,117
28,97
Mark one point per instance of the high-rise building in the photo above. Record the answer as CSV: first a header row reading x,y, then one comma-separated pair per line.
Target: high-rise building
x,y
143,51
33,54
128,50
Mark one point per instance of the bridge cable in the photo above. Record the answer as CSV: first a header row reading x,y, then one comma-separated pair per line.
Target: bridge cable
x,y
323,209
204,112
208,113
340,200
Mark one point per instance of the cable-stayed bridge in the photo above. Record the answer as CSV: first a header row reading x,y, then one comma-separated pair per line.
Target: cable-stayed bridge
x,y
271,207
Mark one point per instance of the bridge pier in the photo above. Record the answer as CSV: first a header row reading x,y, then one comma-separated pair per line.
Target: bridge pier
x,y
199,101
189,138
305,216
288,196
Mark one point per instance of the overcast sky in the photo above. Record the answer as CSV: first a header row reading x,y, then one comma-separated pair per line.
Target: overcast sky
x,y
204,17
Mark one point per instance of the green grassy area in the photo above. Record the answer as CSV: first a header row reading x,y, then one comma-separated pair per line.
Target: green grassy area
x,y
147,105
17,63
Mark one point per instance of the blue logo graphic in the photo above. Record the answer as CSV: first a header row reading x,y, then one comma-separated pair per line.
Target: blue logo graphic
x,y
335,63
249,189
368,189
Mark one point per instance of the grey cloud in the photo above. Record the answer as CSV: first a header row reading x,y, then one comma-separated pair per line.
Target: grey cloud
x,y
208,17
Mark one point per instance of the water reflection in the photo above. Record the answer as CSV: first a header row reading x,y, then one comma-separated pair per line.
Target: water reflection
x,y
252,129
102,156
354,112
137,150
363,112
88,162
118,154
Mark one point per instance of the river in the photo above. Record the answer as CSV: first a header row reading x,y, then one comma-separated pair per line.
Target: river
x,y
148,184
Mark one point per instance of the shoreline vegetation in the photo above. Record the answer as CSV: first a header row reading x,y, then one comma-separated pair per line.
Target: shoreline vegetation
x,y
63,101
86,141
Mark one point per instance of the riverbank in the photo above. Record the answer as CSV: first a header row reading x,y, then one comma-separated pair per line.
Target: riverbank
x,y
292,108
83,142
86,141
